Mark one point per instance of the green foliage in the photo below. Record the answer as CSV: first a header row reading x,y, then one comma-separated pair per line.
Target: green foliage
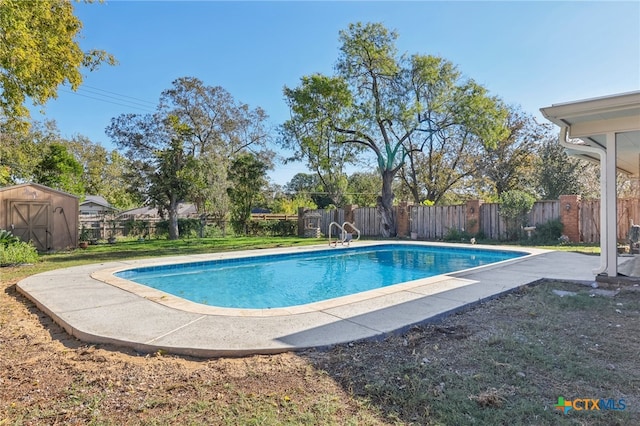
x,y
515,205
214,231
548,233
291,205
7,238
364,188
60,170
84,234
511,163
136,228
13,251
187,228
247,175
557,173
273,228
39,51
393,106
457,235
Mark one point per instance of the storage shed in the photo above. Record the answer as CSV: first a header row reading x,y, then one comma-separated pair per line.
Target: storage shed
x,y
45,216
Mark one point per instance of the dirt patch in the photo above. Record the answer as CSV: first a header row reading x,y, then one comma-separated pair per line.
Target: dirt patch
x,y
506,360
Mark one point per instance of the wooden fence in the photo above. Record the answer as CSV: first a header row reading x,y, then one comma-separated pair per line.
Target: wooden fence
x,y
425,222
628,214
435,222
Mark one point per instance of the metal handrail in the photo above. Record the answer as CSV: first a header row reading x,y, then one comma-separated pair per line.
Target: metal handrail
x,y
344,235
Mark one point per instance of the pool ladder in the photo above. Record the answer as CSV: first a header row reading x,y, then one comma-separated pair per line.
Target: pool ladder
x,y
345,237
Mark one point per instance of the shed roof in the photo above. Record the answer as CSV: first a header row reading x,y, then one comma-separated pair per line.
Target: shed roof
x,y
39,186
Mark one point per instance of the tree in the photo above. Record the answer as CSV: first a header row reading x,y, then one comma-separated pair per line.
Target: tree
x,y
364,188
104,173
557,173
308,186
247,175
21,150
314,140
220,129
459,119
39,51
511,163
182,152
155,148
515,205
60,170
377,102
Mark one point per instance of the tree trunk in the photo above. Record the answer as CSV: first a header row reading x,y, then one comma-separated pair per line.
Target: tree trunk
x,y
174,234
385,206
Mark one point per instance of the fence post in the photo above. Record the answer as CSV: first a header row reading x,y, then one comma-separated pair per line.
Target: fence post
x,y
402,219
473,216
301,211
570,216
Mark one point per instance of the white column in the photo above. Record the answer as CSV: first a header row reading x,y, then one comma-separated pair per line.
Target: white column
x,y
612,207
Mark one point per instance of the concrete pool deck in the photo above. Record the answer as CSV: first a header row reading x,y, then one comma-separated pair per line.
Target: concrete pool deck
x,y
96,307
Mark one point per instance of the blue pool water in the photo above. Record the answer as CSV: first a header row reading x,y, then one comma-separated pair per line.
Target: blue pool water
x,y
283,280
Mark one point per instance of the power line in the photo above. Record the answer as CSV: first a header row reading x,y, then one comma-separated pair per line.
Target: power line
x,y
118,94
108,101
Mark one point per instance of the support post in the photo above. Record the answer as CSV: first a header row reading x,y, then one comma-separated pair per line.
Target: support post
x,y
611,207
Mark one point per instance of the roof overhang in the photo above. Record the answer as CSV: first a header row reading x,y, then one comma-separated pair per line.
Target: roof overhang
x,y
591,120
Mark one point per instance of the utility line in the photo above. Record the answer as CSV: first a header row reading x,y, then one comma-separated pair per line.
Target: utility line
x,y
107,101
153,104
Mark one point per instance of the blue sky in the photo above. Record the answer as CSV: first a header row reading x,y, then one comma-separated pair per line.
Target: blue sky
x,y
531,54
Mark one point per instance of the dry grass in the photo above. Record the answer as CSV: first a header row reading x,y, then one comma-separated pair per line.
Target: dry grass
x,y
503,362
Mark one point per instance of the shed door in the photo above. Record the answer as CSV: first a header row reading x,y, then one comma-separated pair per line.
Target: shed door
x,y
31,221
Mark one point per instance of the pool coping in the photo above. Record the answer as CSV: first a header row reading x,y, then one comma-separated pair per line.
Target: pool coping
x,y
108,276
96,307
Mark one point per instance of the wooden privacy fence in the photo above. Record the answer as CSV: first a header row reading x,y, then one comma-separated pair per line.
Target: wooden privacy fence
x,y
435,222
581,219
589,213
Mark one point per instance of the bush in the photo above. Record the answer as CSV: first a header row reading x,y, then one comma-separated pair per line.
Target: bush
x,y
187,228
548,233
274,228
515,205
137,228
17,252
456,235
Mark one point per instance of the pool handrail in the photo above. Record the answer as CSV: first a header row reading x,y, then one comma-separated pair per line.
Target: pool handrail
x,y
345,237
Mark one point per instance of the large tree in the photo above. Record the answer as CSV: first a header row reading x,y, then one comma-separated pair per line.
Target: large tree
x,y
383,102
39,51
511,163
458,120
557,173
105,173
314,140
183,151
21,151
60,170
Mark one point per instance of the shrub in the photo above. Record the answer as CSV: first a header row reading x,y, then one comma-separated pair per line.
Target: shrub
x,y
7,238
187,228
454,234
515,205
136,228
281,228
548,232
17,252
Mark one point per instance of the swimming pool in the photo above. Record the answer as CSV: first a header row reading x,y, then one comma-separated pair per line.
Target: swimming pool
x,y
284,280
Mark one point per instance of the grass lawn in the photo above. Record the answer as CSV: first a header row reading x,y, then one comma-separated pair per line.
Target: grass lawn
x,y
506,361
